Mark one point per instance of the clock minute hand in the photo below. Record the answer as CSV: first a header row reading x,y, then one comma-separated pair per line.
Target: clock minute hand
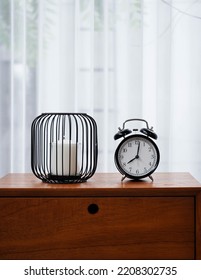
x,y
137,156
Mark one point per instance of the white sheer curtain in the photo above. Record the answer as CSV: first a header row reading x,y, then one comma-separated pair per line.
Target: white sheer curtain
x,y
113,59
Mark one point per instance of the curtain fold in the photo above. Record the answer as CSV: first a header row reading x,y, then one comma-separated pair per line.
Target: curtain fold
x,y
113,59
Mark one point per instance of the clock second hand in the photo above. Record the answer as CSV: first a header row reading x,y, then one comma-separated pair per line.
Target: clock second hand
x,y
137,156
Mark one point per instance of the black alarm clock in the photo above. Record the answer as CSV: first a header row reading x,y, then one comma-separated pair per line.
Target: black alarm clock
x,y
137,156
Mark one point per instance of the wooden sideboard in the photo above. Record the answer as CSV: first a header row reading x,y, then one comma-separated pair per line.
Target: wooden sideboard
x,y
102,218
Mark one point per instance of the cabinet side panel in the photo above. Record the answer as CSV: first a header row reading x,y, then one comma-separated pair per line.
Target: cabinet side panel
x,y
198,226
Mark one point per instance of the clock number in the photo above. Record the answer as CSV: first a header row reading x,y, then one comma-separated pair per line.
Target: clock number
x,y
137,171
129,144
124,150
149,149
136,142
153,156
130,168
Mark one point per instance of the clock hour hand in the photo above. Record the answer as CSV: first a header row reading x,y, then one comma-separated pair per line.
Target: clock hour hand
x,y
132,159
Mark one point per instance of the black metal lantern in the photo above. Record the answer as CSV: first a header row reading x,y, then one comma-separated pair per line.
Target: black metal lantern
x,y
64,147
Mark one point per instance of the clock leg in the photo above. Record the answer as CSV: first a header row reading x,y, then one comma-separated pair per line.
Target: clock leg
x,y
151,178
123,178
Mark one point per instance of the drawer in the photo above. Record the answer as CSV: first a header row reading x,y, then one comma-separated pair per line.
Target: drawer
x,y
97,228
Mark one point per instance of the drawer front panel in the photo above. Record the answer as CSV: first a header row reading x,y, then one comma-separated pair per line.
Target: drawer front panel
x,y
97,228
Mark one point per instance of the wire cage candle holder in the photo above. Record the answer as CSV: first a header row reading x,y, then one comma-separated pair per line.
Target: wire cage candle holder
x,y
64,147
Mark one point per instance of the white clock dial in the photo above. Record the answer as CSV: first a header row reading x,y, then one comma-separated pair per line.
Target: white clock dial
x,y
137,156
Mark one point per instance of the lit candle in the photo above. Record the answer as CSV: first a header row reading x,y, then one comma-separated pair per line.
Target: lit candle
x,y
64,158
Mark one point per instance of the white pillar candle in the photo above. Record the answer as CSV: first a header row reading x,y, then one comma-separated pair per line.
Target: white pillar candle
x,y
66,165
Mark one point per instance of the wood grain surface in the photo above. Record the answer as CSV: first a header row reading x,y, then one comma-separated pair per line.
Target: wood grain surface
x,y
123,228
135,220
101,184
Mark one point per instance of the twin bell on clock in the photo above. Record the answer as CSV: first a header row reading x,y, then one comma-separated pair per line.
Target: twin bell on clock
x,y
137,155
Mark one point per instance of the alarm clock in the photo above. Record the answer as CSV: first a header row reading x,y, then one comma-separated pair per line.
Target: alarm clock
x,y
137,155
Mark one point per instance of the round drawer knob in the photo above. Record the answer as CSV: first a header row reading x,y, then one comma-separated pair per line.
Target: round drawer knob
x,y
93,208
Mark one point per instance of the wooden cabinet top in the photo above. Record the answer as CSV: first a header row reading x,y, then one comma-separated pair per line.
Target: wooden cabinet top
x,y
101,184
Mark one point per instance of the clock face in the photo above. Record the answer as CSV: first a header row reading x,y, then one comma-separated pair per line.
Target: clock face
x,y
137,156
